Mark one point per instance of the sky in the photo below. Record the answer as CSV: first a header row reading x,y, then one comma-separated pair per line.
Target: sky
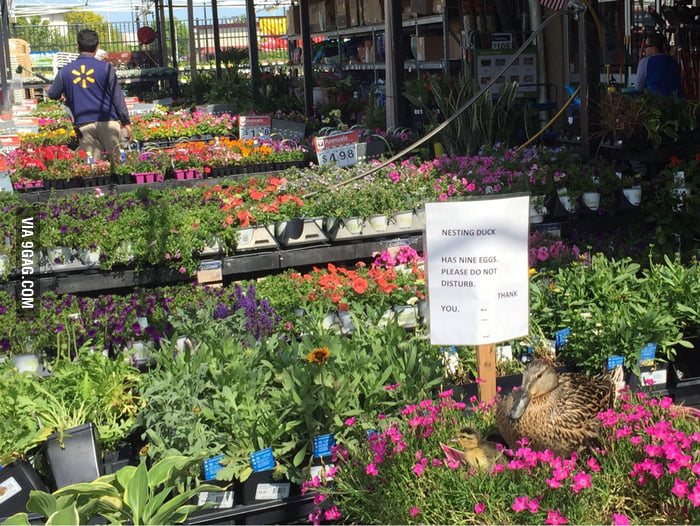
x,y
126,10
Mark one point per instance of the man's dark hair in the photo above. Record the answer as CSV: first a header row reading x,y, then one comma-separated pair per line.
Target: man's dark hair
x,y
657,40
87,41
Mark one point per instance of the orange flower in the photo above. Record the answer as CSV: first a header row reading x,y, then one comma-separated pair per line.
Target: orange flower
x,y
319,355
244,216
359,285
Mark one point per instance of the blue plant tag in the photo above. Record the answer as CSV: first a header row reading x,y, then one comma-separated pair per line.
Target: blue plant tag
x,y
262,460
614,361
323,444
561,336
647,355
212,466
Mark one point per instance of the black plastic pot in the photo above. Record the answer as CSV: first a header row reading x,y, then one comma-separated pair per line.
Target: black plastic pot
x,y
16,481
78,459
261,487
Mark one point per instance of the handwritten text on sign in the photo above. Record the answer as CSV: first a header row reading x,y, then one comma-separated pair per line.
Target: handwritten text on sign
x,y
477,261
339,149
252,126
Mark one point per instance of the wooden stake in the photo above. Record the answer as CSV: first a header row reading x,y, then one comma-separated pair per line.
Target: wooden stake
x,y
486,371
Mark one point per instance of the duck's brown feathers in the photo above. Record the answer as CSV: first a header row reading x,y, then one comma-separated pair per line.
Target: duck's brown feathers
x,y
563,418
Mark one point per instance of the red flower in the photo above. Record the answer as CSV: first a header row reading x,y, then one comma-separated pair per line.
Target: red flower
x,y
359,285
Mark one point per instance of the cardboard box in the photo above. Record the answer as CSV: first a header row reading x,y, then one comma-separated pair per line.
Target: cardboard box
x,y
422,7
431,48
342,13
293,20
354,10
321,15
373,11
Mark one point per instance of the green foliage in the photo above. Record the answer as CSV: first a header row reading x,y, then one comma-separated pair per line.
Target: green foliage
x,y
485,122
133,495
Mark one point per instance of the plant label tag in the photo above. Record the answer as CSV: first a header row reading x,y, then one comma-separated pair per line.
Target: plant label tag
x,y
253,126
221,499
295,131
272,490
614,361
262,460
210,272
339,149
320,472
8,489
561,336
323,444
647,355
453,455
212,466
655,376
504,353
5,181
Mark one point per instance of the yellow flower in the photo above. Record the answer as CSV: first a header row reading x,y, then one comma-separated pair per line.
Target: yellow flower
x,y
144,450
532,272
319,355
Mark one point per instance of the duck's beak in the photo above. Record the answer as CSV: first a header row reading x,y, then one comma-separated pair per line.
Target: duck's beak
x,y
522,399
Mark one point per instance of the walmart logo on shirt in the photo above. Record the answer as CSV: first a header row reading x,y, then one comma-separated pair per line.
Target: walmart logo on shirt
x,y
83,76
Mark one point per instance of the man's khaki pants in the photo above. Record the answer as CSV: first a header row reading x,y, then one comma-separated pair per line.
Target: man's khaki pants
x,y
100,139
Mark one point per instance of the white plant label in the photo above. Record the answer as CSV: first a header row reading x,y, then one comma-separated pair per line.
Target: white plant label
x,y
253,126
10,488
477,270
272,491
339,149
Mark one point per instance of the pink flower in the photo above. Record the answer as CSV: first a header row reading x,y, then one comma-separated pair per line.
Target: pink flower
x,y
447,394
553,483
182,270
480,507
350,421
319,498
418,469
371,469
413,511
593,465
555,517
333,514
392,387
533,505
619,519
680,488
520,503
694,496
581,480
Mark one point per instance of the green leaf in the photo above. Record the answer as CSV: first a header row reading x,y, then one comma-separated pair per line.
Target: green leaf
x,y
169,511
65,516
41,503
162,470
136,492
299,457
18,519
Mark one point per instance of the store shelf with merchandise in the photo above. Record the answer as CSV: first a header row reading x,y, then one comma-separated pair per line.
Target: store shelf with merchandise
x,y
429,39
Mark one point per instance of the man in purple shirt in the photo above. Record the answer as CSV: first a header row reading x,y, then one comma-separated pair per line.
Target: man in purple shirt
x,y
90,89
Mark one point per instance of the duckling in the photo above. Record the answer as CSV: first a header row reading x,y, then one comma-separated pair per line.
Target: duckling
x,y
479,453
555,411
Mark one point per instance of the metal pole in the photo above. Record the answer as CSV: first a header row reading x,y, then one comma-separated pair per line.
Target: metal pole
x,y
306,58
217,41
393,63
584,93
255,75
190,35
4,56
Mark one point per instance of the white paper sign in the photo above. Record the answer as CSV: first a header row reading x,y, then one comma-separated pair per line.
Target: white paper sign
x,y
477,270
10,488
252,126
339,149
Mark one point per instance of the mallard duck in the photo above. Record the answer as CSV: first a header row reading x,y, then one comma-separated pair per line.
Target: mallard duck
x,y
479,453
556,411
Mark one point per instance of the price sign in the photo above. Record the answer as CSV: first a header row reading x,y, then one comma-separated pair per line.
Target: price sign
x,y
27,124
339,149
9,143
252,126
501,40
